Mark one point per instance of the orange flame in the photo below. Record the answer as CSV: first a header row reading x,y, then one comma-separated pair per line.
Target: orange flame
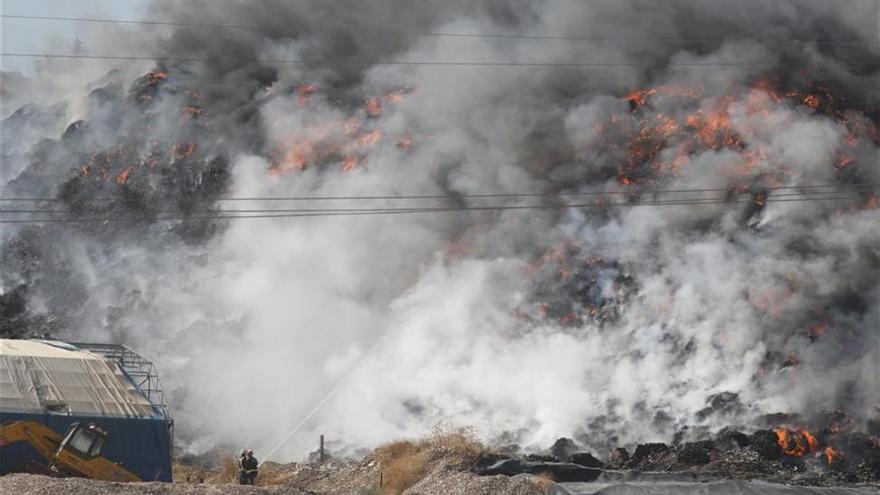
x,y
192,111
368,139
812,444
296,158
568,318
182,150
123,176
349,163
304,91
831,455
638,97
156,76
844,161
405,141
396,96
374,107
817,329
796,443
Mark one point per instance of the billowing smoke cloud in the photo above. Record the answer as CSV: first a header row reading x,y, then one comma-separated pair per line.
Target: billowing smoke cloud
x,y
608,324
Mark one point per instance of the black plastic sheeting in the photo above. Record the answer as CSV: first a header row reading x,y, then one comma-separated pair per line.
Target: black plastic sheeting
x,y
633,483
561,471
572,479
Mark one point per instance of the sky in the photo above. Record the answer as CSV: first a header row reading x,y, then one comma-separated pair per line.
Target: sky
x,y
31,35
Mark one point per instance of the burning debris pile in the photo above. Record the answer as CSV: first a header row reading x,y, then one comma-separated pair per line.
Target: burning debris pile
x,y
786,454
120,165
670,227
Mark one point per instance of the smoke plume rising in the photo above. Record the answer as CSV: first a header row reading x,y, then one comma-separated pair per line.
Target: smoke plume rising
x,y
608,324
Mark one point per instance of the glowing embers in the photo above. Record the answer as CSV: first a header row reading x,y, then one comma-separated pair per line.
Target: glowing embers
x,y
318,144
349,163
342,142
713,128
369,139
405,141
113,163
669,124
374,105
123,176
183,150
191,111
816,330
304,91
640,97
147,86
155,77
832,455
121,163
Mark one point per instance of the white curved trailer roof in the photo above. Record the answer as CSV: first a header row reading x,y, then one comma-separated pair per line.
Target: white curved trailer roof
x,y
45,377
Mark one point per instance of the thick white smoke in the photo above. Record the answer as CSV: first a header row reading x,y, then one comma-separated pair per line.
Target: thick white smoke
x,y
420,315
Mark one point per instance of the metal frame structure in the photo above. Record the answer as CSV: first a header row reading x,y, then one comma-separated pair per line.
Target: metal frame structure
x,y
141,371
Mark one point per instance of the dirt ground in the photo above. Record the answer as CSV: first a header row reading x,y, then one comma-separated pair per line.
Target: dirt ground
x,y
310,480
31,484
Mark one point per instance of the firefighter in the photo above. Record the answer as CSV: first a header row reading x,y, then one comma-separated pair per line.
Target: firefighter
x,y
242,471
250,464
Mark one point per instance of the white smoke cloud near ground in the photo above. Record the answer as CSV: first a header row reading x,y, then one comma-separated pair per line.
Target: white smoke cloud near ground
x,y
253,323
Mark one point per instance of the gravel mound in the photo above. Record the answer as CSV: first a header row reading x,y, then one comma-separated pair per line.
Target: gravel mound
x,y
30,484
334,477
445,481
330,478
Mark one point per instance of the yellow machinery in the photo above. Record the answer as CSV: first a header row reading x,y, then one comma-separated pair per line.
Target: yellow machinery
x,y
77,454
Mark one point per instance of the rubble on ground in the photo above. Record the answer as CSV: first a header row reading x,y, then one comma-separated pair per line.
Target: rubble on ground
x,y
766,455
33,484
451,463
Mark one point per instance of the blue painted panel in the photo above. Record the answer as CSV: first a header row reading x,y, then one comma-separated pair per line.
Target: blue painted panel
x,y
141,445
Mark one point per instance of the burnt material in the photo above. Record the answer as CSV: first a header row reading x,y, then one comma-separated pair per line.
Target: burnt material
x,y
724,403
645,450
560,471
618,457
729,438
563,448
695,453
586,459
764,442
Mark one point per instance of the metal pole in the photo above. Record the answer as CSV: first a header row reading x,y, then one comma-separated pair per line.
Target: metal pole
x,y
321,450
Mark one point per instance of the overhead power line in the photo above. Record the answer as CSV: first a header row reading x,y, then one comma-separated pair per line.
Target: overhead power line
x,y
434,34
292,213
74,56
695,200
633,190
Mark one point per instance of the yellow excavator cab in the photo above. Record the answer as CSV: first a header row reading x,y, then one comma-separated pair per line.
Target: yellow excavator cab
x,y
80,455
86,441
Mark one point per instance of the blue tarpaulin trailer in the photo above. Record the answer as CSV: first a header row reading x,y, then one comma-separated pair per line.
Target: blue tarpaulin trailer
x,y
47,388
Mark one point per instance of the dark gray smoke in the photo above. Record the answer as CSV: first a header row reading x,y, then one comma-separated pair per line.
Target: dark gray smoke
x,y
609,324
